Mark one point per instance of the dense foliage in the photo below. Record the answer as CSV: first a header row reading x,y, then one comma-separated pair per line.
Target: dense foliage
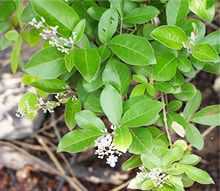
x,y
122,68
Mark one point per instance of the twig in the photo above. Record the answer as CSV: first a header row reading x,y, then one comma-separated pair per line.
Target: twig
x,y
71,181
28,146
120,187
165,120
207,131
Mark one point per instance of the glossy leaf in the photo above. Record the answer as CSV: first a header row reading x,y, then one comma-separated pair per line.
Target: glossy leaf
x,y
197,174
141,15
50,86
79,30
87,62
199,8
48,63
213,39
87,118
111,102
176,11
79,140
28,105
141,113
205,53
122,138
117,74
133,50
131,163
72,106
57,12
142,140
166,66
188,90
171,36
209,115
192,106
108,24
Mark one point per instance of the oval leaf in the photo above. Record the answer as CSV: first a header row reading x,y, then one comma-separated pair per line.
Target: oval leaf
x,y
209,115
46,64
111,102
107,25
141,15
87,62
171,36
133,50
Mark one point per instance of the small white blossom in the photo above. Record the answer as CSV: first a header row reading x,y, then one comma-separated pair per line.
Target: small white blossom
x,y
51,34
47,106
156,175
105,148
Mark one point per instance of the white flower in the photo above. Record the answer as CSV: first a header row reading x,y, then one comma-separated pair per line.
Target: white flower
x,y
51,34
105,148
112,160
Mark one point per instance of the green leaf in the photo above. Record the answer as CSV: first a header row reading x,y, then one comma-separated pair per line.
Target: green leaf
x,y
205,53
170,36
133,50
192,106
57,12
87,62
48,63
166,66
174,154
104,52
141,15
138,90
193,135
174,105
108,24
199,8
79,30
95,12
148,185
133,162
117,74
176,11
213,39
190,159
142,140
92,102
141,113
87,118
72,106
209,115
150,160
184,64
28,105
7,8
188,90
15,57
50,86
12,35
79,140
197,174
122,138
94,84
111,102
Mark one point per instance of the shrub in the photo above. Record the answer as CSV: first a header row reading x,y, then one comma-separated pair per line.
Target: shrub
x,y
122,69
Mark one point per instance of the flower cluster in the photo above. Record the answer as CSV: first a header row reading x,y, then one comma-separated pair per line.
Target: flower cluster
x,y
105,148
48,106
155,174
51,34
